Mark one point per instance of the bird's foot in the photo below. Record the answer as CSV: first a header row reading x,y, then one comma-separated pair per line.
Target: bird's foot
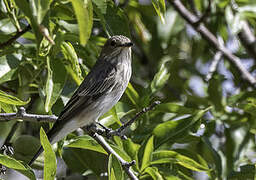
x,y
108,132
6,149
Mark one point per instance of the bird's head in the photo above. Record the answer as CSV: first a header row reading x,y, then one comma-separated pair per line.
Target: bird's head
x,y
115,45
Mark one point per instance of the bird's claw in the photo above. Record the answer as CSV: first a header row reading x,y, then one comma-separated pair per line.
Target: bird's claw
x,y
6,149
108,132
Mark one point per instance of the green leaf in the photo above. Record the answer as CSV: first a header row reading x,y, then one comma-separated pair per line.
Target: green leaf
x,y
30,11
160,78
174,157
132,94
17,165
153,172
50,165
101,4
8,66
147,156
132,150
159,6
9,99
165,131
55,82
42,8
115,116
114,168
174,108
80,160
73,64
84,15
114,21
249,106
215,92
86,142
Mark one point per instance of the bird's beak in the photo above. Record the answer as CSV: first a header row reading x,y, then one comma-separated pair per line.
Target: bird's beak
x,y
130,44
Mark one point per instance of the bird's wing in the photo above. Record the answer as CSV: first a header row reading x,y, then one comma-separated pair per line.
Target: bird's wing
x,y
100,79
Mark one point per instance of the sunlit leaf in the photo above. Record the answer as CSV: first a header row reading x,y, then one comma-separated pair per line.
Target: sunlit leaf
x,y
154,173
160,157
147,156
73,64
160,78
9,99
50,164
159,6
86,142
17,165
55,82
84,15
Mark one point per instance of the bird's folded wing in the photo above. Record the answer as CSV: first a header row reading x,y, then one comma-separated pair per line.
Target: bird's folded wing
x,y
98,81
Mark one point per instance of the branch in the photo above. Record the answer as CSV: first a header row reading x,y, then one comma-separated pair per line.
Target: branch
x,y
16,36
214,65
118,132
248,39
207,35
21,114
126,165
95,132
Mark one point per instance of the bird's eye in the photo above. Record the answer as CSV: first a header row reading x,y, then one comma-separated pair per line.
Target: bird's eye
x,y
113,43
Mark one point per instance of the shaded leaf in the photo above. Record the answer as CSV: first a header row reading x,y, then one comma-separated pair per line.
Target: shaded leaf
x,y
165,131
114,168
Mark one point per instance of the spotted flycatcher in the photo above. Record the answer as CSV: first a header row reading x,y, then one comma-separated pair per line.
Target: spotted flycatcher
x,y
99,92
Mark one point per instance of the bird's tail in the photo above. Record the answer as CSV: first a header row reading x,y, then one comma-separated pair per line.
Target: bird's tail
x,y
40,150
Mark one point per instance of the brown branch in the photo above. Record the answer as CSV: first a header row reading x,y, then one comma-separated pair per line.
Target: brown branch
x,y
207,35
126,165
22,115
16,36
248,39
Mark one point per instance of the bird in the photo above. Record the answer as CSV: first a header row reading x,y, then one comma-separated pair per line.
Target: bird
x,y
100,90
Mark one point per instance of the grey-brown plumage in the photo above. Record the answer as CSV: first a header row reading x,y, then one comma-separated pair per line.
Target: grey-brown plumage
x,y
98,93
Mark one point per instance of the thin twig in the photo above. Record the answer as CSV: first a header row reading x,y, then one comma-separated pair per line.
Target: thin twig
x,y
214,65
126,165
118,132
144,110
218,55
207,35
22,115
16,36
248,39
